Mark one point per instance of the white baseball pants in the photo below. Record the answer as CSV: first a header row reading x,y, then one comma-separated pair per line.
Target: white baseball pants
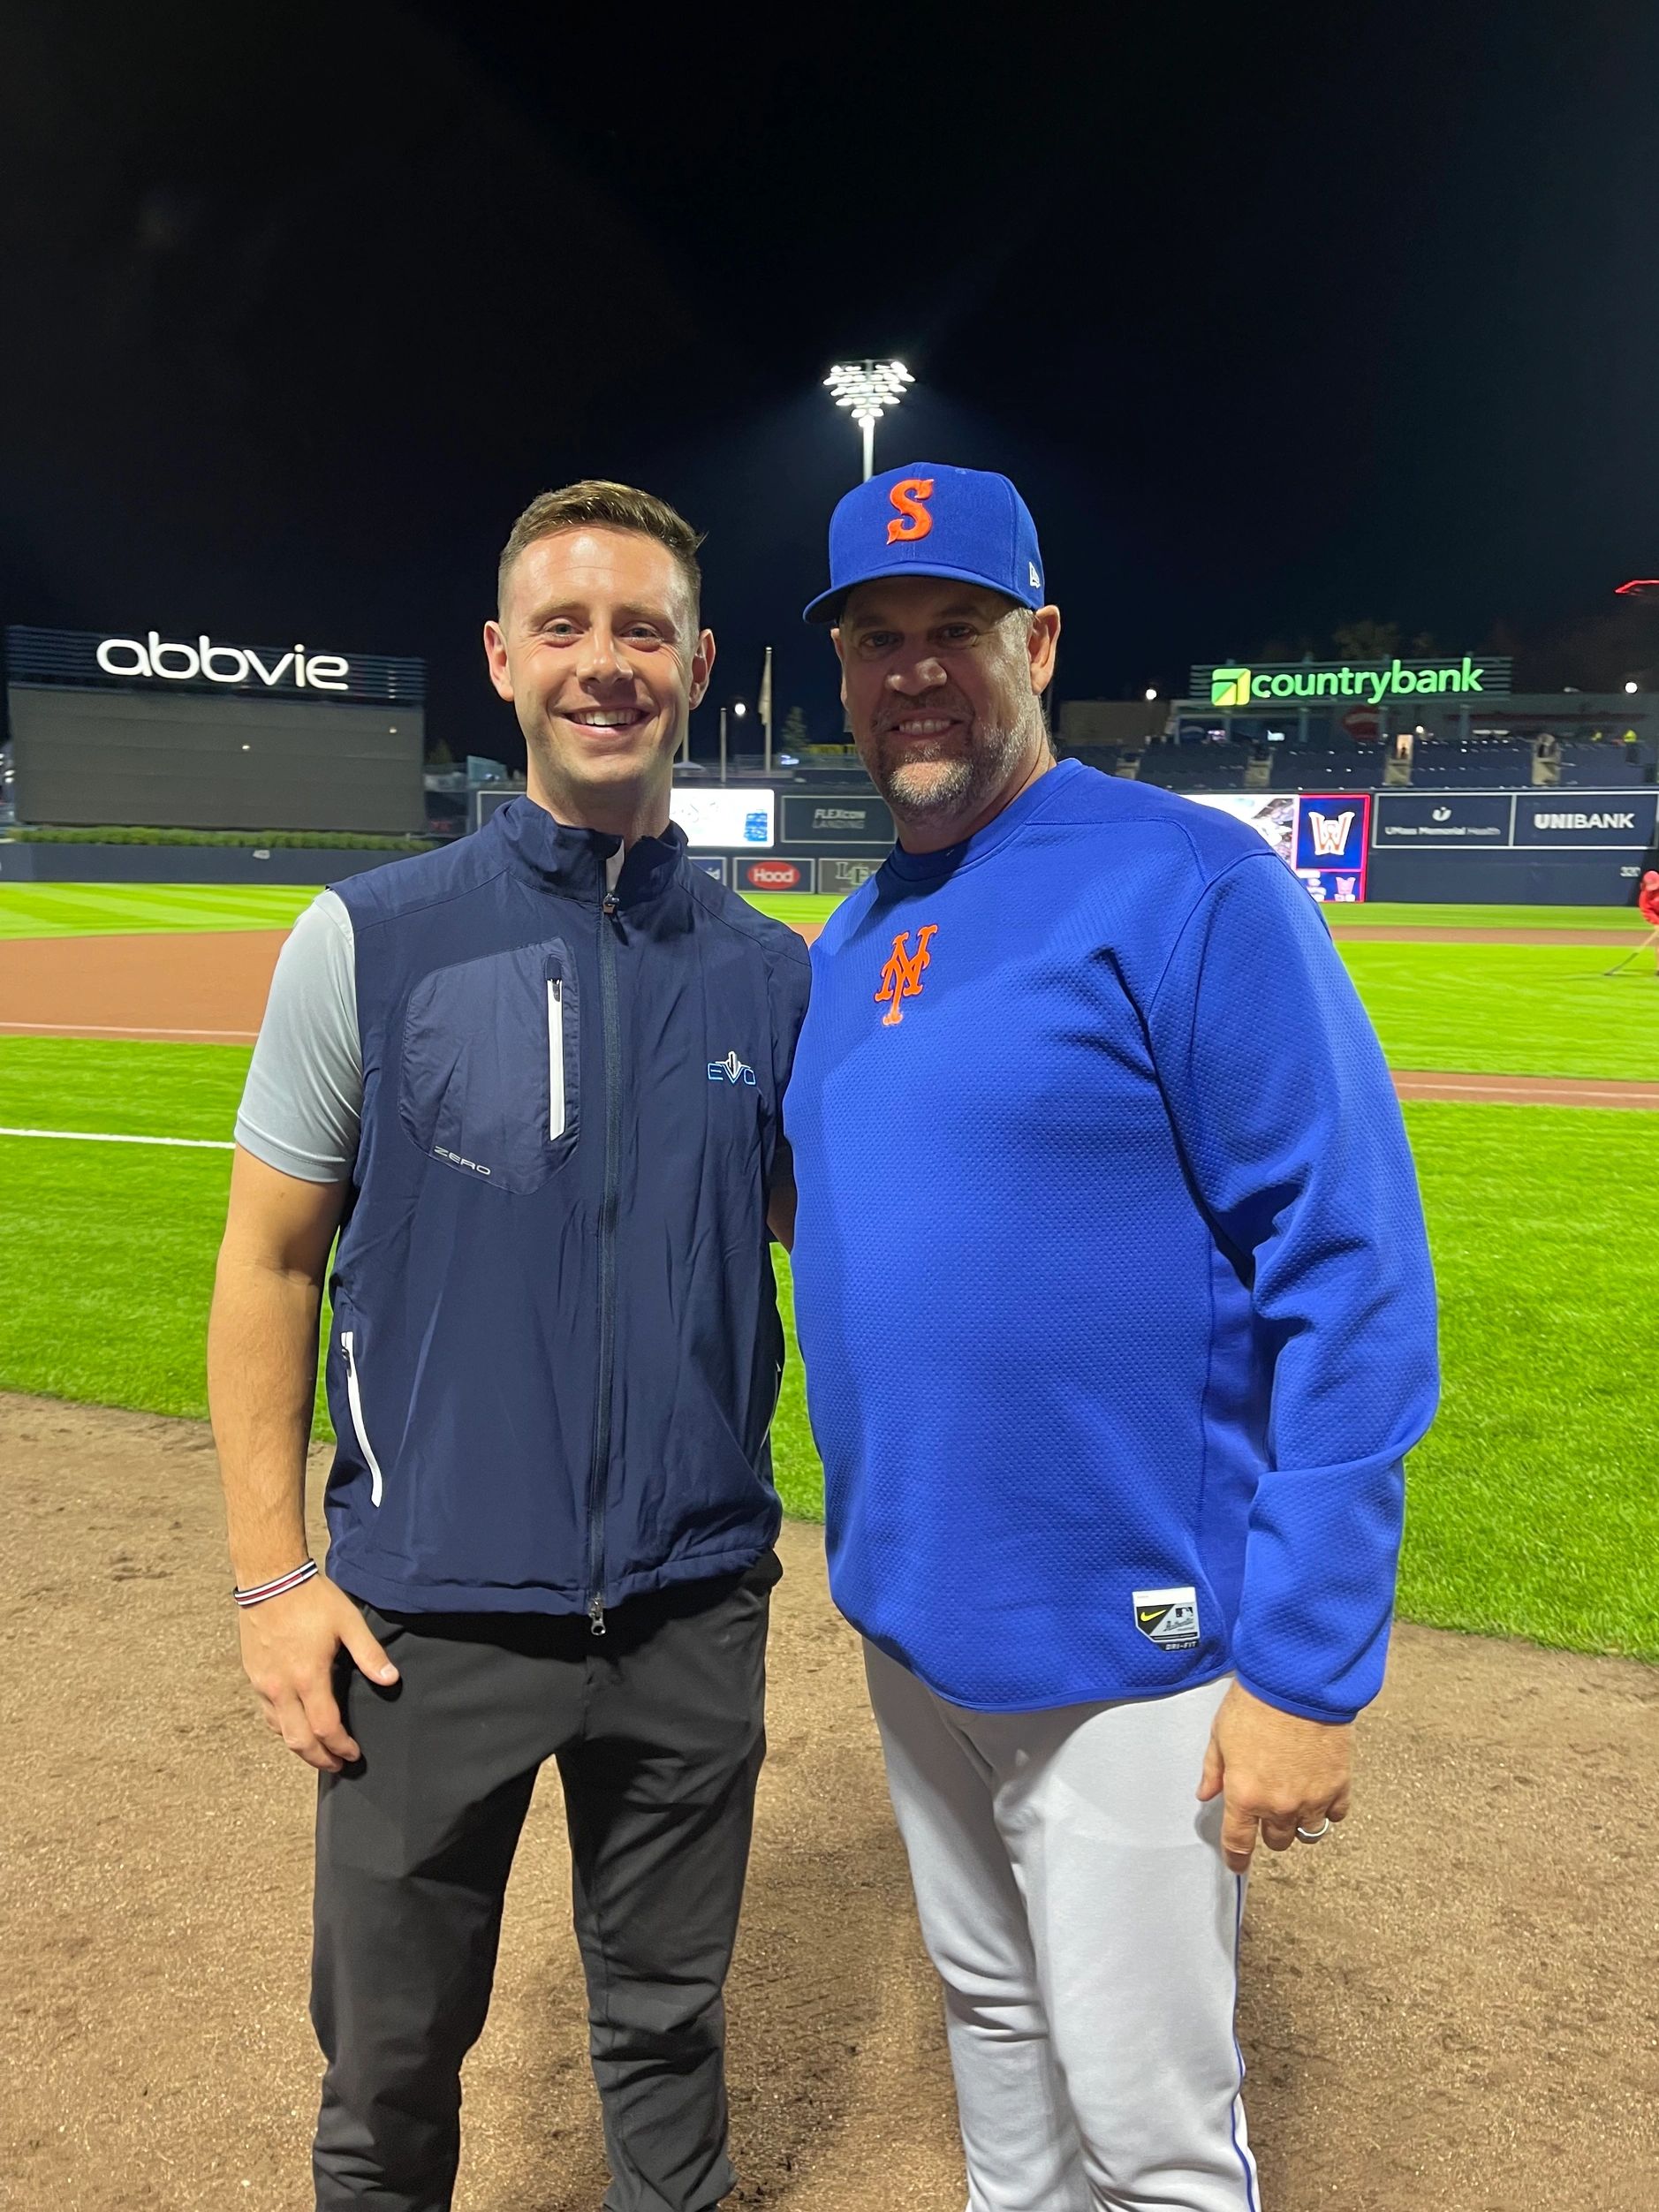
x,y
1075,1901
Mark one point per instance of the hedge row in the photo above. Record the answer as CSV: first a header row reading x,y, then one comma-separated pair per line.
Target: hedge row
x,y
306,840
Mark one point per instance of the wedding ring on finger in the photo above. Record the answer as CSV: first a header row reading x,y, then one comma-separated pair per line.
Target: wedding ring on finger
x,y
1314,1834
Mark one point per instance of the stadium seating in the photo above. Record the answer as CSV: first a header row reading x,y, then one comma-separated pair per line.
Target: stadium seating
x,y
1346,768
1605,766
1494,765
1195,767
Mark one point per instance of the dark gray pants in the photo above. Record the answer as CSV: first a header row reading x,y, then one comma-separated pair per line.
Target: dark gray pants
x,y
658,1731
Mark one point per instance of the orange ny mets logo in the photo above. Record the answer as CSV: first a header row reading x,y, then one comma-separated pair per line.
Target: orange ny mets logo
x,y
901,977
913,519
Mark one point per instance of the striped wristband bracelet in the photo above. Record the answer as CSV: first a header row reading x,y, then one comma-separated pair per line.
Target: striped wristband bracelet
x,y
291,1580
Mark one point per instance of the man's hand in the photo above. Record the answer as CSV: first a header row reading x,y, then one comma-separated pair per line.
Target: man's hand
x,y
288,1648
1277,1771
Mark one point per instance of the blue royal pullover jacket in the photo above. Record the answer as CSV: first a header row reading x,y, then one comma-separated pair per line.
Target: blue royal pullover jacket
x,y
1110,1273
555,1345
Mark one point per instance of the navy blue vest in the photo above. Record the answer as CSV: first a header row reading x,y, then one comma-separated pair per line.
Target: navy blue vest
x,y
556,1346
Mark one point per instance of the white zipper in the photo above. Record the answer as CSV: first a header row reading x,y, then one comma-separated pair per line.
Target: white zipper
x,y
354,1398
555,1057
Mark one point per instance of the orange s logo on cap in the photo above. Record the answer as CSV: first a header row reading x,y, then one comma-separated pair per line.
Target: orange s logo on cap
x,y
913,519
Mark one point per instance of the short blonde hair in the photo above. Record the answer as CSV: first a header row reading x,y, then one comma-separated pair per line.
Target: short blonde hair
x,y
595,502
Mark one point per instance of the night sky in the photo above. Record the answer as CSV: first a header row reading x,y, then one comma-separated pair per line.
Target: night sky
x,y
1279,319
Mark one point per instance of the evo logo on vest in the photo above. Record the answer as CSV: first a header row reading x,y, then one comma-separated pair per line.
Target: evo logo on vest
x,y
901,977
154,657
1168,1618
731,1070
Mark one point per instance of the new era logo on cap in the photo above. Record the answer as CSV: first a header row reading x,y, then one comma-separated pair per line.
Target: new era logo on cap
x,y
929,519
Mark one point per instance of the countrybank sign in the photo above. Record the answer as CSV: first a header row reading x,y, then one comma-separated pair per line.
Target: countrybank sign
x,y
1363,683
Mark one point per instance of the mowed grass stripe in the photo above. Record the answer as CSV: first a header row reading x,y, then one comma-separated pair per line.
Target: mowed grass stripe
x,y
1400,913
1508,1009
143,1090
76,910
1531,1510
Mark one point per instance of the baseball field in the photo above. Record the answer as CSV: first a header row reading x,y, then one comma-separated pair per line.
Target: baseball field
x,y
1452,2007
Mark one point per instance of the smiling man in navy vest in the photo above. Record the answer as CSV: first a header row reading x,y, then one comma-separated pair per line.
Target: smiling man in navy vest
x,y
531,1083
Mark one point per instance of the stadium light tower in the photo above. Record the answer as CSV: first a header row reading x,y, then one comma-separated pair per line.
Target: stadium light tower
x,y
867,390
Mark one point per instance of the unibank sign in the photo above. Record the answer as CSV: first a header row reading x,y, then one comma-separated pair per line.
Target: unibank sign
x,y
1368,683
164,660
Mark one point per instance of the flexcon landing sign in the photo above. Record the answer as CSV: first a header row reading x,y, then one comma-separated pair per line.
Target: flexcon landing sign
x,y
1371,683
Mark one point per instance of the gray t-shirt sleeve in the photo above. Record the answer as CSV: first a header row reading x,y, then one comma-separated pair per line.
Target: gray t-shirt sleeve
x,y
304,1097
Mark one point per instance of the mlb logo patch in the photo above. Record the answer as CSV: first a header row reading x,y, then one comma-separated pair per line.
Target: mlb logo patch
x,y
1167,1618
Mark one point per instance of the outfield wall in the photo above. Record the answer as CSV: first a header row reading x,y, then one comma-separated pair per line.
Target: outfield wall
x,y
183,864
1551,845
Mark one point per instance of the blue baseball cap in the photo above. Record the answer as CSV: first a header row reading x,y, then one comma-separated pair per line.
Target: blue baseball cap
x,y
929,519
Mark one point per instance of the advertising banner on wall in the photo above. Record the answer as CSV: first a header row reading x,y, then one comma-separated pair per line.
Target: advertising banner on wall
x,y
1271,814
840,818
1571,820
724,815
1320,836
1422,821
711,864
835,876
1371,683
96,660
1332,838
774,874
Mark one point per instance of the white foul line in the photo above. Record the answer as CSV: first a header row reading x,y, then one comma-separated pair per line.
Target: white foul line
x,y
102,1136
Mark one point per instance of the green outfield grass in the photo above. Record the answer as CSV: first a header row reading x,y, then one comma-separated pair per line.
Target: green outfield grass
x,y
1532,1511
1510,1009
57,910
80,910
1393,914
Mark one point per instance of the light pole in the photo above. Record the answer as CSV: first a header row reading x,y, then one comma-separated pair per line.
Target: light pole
x,y
867,390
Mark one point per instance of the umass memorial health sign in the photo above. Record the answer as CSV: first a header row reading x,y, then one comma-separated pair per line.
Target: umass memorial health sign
x,y
1295,683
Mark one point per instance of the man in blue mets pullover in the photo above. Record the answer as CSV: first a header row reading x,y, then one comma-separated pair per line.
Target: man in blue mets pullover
x,y
1117,1319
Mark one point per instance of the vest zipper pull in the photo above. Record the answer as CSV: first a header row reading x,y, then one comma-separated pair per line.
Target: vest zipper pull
x,y
609,904
596,1617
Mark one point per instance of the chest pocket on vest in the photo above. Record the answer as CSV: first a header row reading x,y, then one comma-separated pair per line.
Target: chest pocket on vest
x,y
490,1086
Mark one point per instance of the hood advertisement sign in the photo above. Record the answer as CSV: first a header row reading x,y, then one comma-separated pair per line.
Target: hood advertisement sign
x,y
1270,684
774,875
1321,837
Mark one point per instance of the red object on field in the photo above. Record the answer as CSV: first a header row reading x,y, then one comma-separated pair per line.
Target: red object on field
x,y
1647,897
1361,724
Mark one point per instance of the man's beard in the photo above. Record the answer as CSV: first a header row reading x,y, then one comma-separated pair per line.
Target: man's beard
x,y
949,787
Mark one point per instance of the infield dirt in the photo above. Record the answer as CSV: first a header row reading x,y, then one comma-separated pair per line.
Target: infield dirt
x,y
1450,2008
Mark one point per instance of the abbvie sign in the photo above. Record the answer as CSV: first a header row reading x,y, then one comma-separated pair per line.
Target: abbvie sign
x,y
155,658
